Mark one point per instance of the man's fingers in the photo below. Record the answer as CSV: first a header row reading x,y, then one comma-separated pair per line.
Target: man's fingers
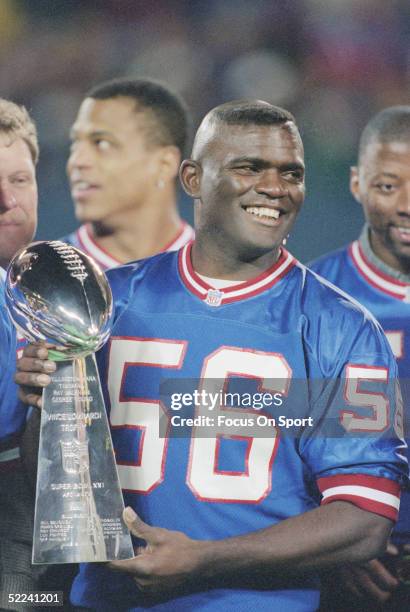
x,y
145,585
31,399
349,581
32,374
142,575
33,364
392,549
32,379
132,566
368,587
381,576
137,526
36,350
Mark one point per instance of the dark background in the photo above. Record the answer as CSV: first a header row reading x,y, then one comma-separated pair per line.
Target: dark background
x,y
333,63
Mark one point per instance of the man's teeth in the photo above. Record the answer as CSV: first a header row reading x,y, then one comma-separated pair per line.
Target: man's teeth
x,y
404,230
261,211
82,185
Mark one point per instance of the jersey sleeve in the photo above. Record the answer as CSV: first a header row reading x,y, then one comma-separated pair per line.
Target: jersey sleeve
x,y
12,412
123,282
327,266
355,450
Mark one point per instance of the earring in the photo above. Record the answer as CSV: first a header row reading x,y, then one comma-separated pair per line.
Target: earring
x,y
160,183
284,241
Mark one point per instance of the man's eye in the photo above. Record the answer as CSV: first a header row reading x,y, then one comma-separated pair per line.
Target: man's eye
x,y
385,187
20,180
102,144
294,175
248,168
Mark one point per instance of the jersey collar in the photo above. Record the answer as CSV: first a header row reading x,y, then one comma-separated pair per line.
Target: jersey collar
x,y
106,260
234,293
186,234
375,277
101,256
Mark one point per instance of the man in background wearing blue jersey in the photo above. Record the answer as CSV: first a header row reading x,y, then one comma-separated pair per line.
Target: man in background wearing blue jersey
x,y
237,520
127,143
375,269
18,220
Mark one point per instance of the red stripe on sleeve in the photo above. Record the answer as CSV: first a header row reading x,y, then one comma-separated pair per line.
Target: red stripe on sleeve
x,y
363,480
365,504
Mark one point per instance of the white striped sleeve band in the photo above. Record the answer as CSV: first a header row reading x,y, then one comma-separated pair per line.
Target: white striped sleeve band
x,y
371,493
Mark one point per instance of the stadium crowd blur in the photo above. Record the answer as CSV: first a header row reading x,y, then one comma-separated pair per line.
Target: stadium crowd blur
x,y
332,63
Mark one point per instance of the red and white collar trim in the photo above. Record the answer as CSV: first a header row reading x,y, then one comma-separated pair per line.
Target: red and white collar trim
x,y
185,235
234,293
88,244
105,260
376,278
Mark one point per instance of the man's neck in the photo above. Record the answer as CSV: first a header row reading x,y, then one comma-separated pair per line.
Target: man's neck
x,y
142,233
208,260
381,265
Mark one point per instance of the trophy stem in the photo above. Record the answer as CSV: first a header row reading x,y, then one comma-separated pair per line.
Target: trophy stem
x,y
82,405
78,498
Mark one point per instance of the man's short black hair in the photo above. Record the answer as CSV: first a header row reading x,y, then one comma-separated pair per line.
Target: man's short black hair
x,y
239,113
170,121
392,124
252,113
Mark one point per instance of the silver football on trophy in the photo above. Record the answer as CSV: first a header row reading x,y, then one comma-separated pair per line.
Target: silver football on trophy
x,y
57,294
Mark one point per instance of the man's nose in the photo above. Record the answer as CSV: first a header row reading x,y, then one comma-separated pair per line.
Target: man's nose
x,y
7,198
79,157
269,183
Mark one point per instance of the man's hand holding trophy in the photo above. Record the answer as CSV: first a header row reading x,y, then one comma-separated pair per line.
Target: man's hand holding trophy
x,y
58,295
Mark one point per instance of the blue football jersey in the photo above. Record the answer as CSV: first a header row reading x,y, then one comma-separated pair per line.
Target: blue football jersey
x,y
277,333
12,413
83,239
388,299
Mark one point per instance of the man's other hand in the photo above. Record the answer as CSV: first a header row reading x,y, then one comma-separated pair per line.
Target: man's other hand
x,y
170,560
33,369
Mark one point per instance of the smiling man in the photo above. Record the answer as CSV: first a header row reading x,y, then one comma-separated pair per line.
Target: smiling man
x,y
233,519
249,215
375,269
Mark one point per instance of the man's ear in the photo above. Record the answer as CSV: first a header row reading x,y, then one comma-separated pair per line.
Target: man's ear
x,y
354,183
190,177
169,161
